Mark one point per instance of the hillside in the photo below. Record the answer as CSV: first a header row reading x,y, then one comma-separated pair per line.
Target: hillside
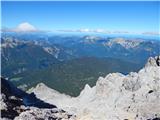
x,y
67,63
71,76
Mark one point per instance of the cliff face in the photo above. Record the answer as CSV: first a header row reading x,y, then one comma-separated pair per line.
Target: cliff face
x,y
11,105
135,96
18,105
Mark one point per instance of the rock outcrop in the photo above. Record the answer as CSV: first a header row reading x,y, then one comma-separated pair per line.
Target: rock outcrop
x,y
11,105
19,105
135,96
45,114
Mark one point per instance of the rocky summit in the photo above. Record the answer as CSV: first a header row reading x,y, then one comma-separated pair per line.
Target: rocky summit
x,y
135,96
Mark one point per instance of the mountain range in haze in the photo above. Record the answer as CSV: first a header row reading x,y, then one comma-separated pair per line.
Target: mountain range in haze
x,y
62,61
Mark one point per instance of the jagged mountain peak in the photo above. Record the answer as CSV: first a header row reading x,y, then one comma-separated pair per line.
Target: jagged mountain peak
x,y
117,96
153,61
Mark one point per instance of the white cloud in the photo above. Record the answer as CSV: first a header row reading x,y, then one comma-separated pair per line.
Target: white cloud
x,y
25,27
151,33
91,30
86,30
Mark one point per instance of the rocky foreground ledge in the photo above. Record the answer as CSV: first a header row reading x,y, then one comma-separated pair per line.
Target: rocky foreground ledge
x,y
135,96
19,105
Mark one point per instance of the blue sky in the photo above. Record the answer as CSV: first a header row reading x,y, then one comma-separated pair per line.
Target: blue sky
x,y
112,16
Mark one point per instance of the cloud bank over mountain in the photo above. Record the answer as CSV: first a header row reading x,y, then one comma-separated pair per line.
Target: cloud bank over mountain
x,y
28,27
22,27
25,27
105,31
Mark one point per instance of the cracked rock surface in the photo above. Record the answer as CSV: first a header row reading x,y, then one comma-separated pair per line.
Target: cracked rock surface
x,y
135,96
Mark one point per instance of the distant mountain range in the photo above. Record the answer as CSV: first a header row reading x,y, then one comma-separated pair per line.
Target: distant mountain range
x,y
65,61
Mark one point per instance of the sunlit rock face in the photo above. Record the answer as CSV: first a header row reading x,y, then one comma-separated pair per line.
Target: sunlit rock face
x,y
135,96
